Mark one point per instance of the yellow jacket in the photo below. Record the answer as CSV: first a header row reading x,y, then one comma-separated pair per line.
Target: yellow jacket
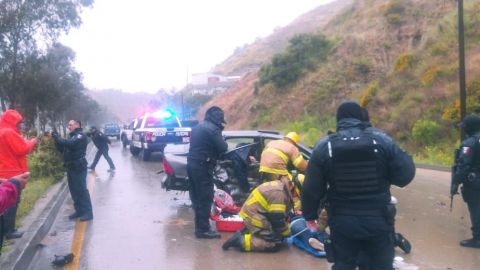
x,y
267,208
277,154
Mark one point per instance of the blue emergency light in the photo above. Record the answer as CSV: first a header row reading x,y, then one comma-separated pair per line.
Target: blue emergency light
x,y
164,114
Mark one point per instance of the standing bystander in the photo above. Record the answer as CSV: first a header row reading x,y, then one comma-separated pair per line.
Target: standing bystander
x,y
9,192
13,161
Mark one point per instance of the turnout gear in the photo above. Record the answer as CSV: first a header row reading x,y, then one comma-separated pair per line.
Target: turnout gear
x,y
467,174
353,169
235,241
276,157
264,214
206,145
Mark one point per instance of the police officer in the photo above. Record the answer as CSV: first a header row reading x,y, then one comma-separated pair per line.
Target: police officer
x,y
467,173
74,149
354,168
206,145
101,142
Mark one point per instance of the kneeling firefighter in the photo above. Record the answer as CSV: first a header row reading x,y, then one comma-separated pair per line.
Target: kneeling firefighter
x,y
264,214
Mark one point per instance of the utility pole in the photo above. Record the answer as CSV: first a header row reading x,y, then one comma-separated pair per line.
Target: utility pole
x,y
461,56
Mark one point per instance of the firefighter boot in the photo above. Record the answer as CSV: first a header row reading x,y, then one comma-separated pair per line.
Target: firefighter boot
x,y
234,241
402,243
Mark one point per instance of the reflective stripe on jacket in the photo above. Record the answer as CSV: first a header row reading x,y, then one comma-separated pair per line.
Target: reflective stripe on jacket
x,y
277,154
267,206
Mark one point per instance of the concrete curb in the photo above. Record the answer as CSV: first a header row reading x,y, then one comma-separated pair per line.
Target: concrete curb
x,y
433,167
41,219
22,252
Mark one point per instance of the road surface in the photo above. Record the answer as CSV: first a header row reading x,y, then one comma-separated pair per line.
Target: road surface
x,y
137,225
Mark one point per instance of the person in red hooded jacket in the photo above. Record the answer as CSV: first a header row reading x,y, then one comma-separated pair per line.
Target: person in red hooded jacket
x,y
9,190
13,160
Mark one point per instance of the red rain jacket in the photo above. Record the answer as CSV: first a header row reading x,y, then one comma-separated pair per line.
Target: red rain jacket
x,y
13,147
8,195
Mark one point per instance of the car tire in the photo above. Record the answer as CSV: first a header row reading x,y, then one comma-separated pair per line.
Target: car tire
x,y
134,150
145,154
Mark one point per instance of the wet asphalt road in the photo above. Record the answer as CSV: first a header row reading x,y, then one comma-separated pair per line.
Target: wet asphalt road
x,y
137,225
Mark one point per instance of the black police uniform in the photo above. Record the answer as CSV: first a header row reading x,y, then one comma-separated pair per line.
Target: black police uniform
x,y
467,173
205,147
74,149
354,169
101,142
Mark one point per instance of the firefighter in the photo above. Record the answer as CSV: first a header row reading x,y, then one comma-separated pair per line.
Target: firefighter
x,y
354,168
278,154
265,214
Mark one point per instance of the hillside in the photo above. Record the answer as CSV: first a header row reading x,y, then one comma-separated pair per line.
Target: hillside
x,y
252,56
398,58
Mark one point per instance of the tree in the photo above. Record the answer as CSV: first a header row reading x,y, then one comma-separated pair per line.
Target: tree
x,y
23,23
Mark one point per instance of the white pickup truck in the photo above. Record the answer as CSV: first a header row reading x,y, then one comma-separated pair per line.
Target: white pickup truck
x,y
153,131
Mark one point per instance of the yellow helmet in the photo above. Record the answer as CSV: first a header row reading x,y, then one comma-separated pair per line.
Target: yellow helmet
x,y
293,136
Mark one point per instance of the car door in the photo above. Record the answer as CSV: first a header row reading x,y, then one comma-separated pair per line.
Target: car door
x,y
250,155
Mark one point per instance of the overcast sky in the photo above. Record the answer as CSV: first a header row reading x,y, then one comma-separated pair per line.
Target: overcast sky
x,y
146,45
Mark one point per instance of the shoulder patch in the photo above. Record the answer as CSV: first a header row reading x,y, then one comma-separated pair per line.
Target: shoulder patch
x,y
79,136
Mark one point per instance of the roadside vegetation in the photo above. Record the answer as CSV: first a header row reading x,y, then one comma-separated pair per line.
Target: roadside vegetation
x,y
46,166
37,78
397,58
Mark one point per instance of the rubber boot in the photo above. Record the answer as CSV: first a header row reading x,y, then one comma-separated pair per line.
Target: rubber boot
x,y
234,241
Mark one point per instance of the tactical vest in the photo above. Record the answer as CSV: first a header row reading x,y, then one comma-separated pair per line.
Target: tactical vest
x,y
358,170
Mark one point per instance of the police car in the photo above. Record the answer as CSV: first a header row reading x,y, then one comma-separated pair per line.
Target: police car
x,y
153,131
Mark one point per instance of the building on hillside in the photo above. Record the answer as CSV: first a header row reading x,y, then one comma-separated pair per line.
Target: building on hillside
x,y
210,83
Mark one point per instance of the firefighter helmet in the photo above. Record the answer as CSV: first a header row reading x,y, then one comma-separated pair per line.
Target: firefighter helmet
x,y
293,136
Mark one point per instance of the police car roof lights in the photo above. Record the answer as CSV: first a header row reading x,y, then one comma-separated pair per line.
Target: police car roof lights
x,y
163,114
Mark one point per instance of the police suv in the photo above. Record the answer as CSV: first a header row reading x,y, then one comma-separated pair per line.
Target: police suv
x,y
154,131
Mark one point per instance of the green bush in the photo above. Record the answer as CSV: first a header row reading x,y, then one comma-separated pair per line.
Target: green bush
x,y
368,94
436,155
46,161
303,54
426,132
394,11
310,128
